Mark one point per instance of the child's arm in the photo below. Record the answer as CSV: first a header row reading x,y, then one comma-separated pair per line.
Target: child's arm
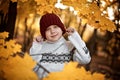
x,y
36,47
82,54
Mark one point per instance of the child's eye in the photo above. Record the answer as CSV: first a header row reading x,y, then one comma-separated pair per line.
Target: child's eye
x,y
47,29
55,26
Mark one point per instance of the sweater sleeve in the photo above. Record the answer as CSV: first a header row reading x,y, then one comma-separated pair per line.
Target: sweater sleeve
x,y
34,51
81,54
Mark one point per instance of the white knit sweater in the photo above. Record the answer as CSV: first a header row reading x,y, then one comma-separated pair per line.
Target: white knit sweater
x,y
52,56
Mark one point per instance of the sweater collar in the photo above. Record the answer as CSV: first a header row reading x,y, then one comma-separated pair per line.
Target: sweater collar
x,y
60,41
52,46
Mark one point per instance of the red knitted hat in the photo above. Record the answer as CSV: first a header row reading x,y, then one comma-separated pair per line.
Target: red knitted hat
x,y
48,20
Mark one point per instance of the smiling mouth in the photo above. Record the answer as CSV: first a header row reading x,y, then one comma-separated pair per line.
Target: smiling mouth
x,y
54,35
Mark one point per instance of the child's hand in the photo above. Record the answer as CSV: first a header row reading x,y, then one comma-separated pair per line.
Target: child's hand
x,y
38,39
70,30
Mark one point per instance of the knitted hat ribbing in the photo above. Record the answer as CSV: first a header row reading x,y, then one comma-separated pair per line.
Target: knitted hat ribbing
x,y
48,20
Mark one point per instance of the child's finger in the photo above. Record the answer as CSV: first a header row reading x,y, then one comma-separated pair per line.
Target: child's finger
x,y
70,29
38,39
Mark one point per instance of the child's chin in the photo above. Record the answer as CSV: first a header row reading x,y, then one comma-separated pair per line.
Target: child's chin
x,y
55,39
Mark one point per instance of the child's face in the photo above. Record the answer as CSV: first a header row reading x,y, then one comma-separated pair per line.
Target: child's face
x,y
53,33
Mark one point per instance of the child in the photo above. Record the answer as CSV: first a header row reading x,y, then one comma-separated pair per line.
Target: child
x,y
51,50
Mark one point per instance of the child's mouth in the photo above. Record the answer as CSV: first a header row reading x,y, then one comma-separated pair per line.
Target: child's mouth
x,y
54,35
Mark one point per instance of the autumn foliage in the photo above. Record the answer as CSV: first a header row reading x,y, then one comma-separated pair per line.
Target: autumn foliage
x,y
15,67
12,66
89,12
72,72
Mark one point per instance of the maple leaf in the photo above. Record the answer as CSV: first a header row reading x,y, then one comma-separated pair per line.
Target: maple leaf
x,y
3,35
73,2
92,13
41,2
9,48
17,68
2,64
72,72
1,43
97,76
47,6
84,21
47,9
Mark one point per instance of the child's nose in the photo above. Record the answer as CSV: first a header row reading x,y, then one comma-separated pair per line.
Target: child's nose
x,y
52,30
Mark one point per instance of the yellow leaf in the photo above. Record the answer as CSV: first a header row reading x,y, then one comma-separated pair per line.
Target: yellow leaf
x,y
47,6
4,35
92,13
84,21
97,76
72,72
17,68
9,48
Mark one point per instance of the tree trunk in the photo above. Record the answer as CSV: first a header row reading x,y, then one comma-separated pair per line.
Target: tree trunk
x,y
7,23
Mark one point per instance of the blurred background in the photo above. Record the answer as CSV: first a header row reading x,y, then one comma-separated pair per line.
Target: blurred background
x,y
98,25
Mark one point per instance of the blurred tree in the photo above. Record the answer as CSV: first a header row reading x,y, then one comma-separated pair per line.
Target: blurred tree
x,y
8,12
